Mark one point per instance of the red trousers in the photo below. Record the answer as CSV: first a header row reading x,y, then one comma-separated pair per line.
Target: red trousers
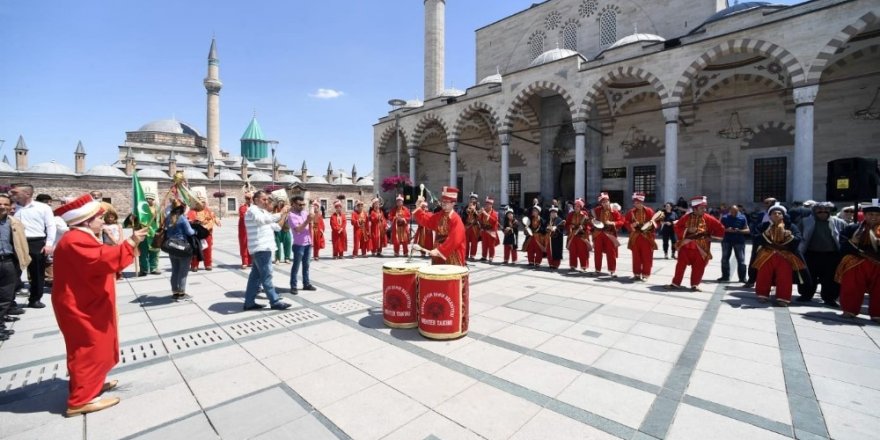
x,y
472,237
488,244
315,250
243,248
340,242
207,253
361,244
643,257
395,240
689,257
602,244
863,278
775,271
509,253
578,255
533,252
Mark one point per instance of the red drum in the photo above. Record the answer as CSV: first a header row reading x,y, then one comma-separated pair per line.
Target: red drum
x,y
400,300
443,301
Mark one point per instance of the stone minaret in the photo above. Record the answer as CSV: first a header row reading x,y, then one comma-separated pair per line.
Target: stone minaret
x,y
354,174
79,159
244,169
172,164
304,172
21,153
130,165
211,166
213,86
330,172
435,46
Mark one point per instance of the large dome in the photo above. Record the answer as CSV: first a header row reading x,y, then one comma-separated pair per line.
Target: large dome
x,y
227,176
635,38
152,173
7,168
169,126
50,168
105,171
736,9
551,56
259,176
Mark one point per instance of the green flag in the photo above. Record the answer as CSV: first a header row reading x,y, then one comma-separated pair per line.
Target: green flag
x,y
141,208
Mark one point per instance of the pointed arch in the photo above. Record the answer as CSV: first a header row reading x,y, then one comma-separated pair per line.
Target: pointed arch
x,y
590,100
530,90
787,61
426,121
470,110
389,132
837,43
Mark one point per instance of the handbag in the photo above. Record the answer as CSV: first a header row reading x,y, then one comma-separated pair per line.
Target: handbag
x,y
158,239
177,247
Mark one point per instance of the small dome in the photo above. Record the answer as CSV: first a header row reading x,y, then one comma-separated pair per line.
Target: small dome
x,y
228,176
152,173
6,168
169,126
317,179
635,38
491,79
289,178
551,56
413,103
50,168
736,9
365,181
451,92
182,160
194,174
105,171
259,176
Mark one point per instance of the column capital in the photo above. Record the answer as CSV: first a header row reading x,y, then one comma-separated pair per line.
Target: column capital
x,y
805,95
670,114
580,126
412,146
504,137
452,143
412,152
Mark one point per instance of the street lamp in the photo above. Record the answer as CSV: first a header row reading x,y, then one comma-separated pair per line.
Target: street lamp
x,y
274,145
396,103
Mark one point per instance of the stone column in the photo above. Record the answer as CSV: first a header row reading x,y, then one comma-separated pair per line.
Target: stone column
x,y
504,138
412,164
453,162
804,99
670,185
580,142
594,166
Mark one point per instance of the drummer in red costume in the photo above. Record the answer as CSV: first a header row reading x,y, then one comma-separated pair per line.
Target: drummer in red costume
x,y
84,299
242,231
317,228
578,224
448,225
360,226
641,237
424,238
400,216
605,239
377,228
338,234
470,216
695,231
859,271
489,230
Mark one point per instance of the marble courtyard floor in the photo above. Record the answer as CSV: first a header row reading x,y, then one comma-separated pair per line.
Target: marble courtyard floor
x,y
549,356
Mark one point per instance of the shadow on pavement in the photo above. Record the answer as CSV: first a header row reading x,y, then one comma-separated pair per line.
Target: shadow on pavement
x,y
227,308
153,301
46,396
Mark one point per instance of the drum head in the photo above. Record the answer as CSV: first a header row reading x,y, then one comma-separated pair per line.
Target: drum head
x,y
402,266
443,270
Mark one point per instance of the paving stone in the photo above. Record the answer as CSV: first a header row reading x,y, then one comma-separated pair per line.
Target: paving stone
x,y
696,423
306,427
432,426
231,383
488,411
634,366
322,387
431,384
608,399
142,412
358,414
253,414
551,380
744,396
548,424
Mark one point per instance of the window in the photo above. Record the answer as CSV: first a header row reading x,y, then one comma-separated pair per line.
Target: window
x,y
231,204
459,183
608,28
349,204
770,178
645,181
536,44
514,188
570,37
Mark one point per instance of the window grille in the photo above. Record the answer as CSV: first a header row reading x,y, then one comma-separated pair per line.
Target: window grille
x,y
569,37
608,28
770,178
645,181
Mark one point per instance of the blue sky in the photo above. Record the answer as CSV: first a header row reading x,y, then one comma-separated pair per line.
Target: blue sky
x,y
91,70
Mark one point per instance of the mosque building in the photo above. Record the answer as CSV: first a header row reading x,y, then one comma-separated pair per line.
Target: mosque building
x,y
158,149
674,99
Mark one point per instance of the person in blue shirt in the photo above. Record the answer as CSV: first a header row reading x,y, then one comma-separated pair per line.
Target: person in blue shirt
x,y
736,228
177,227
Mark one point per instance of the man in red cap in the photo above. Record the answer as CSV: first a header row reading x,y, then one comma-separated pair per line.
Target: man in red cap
x,y
605,239
338,234
578,224
489,229
777,258
317,230
84,300
377,228
470,216
859,271
639,223
360,228
448,225
695,231
242,231
400,217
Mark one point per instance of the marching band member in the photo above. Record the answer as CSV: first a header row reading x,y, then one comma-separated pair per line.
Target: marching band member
x,y
377,228
338,234
554,229
317,228
859,271
640,225
488,220
605,239
472,226
400,217
578,224
777,257
360,230
510,227
534,245
695,231
424,238
242,231
450,229
203,215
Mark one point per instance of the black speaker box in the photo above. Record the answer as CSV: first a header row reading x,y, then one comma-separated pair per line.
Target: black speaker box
x,y
852,179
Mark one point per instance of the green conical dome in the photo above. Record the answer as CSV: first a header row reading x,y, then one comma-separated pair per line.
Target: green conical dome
x,y
254,146
253,132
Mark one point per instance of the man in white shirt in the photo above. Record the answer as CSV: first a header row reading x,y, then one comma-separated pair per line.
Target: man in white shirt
x,y
39,228
261,226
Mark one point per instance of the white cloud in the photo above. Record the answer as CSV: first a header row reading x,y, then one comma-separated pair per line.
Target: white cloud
x,y
326,94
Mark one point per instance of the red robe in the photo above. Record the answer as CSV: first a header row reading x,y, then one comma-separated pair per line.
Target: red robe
x,y
400,217
338,234
360,224
242,236
641,243
377,231
84,300
450,235
317,232
694,251
489,233
605,240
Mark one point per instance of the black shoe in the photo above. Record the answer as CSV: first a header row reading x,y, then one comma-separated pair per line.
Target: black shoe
x,y
10,318
280,305
181,297
36,305
16,311
156,272
7,331
3,336
804,299
255,306
749,284
723,280
309,287
831,303
142,274
293,291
